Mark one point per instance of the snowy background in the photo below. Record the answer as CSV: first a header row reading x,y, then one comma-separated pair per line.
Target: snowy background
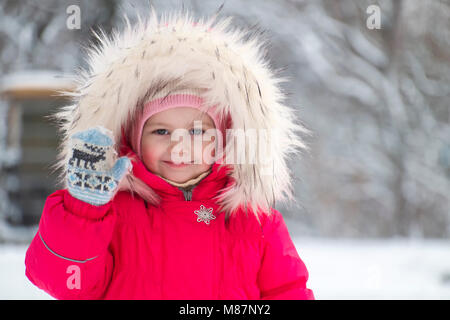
x,y
372,216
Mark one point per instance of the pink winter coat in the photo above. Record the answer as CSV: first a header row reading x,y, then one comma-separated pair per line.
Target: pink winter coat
x,y
127,249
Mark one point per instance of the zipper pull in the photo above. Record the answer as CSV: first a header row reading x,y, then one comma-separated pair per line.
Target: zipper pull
x,y
187,193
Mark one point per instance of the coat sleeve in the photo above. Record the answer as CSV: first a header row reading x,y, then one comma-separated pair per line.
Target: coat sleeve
x,y
69,257
282,275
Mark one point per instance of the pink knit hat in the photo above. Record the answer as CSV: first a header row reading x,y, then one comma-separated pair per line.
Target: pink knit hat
x,y
165,100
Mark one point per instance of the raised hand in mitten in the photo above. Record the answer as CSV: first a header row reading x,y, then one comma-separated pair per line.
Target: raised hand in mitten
x,y
91,175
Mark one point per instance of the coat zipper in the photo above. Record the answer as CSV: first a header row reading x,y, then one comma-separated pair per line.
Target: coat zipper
x,y
187,193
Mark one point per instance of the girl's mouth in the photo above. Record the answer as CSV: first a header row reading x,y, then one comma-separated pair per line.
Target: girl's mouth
x,y
173,165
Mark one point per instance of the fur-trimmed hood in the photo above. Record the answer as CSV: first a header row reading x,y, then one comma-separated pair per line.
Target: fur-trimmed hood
x,y
125,68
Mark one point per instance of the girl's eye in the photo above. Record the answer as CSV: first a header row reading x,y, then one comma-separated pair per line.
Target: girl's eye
x,y
160,132
196,131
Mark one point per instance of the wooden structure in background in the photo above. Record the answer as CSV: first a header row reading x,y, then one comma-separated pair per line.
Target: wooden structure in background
x,y
30,97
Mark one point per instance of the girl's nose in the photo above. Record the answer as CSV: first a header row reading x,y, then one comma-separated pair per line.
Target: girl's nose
x,y
180,150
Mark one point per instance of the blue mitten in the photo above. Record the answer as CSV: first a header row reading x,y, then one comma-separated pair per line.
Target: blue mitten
x,y
91,176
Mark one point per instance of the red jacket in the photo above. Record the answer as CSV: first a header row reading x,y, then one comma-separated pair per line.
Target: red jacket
x,y
127,249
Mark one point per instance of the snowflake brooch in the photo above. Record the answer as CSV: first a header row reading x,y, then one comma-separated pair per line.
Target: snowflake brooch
x,y
204,214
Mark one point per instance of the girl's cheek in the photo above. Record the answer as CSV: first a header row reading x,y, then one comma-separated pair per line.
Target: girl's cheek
x,y
150,151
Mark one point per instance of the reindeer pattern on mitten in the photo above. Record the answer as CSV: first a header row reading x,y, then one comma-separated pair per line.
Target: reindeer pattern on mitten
x,y
94,155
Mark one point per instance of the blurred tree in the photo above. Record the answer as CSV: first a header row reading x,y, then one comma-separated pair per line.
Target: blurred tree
x,y
34,34
384,122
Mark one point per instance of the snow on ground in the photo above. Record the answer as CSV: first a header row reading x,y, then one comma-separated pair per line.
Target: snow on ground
x,y
338,269
377,269
13,282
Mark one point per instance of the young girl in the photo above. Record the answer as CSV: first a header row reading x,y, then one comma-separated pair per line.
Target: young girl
x,y
155,206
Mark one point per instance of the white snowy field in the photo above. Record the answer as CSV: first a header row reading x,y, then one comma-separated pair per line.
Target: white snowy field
x,y
339,269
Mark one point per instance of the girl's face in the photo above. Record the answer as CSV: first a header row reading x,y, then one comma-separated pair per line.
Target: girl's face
x,y
163,144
